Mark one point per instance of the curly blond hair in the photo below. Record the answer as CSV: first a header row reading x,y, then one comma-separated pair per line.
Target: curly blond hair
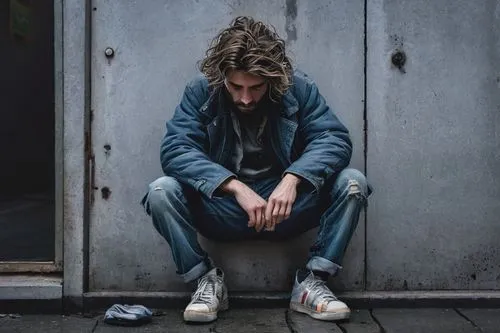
x,y
249,46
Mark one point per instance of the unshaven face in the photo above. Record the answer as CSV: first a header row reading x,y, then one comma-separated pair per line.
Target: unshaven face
x,y
245,89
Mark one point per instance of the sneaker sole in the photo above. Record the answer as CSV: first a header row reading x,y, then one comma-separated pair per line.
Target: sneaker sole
x,y
199,317
329,316
203,317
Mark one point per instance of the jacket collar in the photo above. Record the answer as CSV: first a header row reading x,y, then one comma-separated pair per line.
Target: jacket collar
x,y
290,103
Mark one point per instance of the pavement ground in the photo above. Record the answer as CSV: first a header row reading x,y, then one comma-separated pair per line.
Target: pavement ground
x,y
380,320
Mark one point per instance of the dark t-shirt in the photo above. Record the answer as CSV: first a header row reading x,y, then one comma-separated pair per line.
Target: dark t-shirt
x,y
253,156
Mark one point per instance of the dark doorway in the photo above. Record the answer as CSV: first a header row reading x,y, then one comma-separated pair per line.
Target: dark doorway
x,y
27,224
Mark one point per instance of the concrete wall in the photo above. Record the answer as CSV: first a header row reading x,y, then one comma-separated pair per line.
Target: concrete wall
x,y
434,145
157,44
433,136
72,28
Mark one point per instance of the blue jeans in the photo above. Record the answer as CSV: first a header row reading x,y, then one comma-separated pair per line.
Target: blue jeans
x,y
179,213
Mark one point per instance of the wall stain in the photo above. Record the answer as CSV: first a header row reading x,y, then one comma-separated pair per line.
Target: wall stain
x,y
405,285
291,15
106,192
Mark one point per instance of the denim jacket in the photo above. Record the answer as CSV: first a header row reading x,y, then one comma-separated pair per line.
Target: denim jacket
x,y
306,136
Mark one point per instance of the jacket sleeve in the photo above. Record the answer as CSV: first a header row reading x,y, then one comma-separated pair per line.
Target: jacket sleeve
x,y
184,147
328,147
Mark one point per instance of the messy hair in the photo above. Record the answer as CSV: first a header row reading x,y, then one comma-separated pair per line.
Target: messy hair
x,y
249,46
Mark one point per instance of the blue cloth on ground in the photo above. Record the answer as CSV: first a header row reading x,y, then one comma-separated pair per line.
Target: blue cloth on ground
x,y
128,315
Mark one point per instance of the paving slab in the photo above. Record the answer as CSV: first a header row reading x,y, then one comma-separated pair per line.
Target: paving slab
x,y
274,320
360,321
252,320
300,322
422,321
170,321
488,320
47,324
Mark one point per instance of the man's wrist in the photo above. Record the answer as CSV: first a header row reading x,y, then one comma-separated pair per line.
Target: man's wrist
x,y
292,178
232,185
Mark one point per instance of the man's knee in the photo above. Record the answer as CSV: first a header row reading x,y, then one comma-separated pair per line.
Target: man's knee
x,y
352,180
165,185
162,190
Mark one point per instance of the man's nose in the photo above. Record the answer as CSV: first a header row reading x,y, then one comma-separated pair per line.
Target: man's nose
x,y
246,98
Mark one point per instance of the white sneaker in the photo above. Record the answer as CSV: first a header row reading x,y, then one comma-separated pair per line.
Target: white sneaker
x,y
209,298
313,297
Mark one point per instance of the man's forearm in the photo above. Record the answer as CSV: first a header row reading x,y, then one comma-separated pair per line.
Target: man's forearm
x,y
292,178
231,186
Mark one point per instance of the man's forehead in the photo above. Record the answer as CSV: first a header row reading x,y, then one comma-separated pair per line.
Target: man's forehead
x,y
244,78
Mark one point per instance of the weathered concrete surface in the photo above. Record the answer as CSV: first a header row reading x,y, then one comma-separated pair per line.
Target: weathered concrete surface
x,y
422,299
16,287
273,320
358,300
156,47
46,324
74,104
361,321
433,145
300,322
488,320
422,320
251,320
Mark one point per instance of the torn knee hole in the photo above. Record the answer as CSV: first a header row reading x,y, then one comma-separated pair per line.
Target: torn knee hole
x,y
353,187
354,191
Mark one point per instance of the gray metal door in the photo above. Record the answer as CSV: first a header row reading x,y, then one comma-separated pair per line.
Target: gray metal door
x,y
433,144
153,47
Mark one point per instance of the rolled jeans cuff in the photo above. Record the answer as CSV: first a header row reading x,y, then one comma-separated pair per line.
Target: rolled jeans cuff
x,y
321,264
196,272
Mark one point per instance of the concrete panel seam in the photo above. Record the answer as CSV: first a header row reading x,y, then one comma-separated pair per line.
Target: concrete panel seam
x,y
89,189
365,138
342,328
289,323
467,318
95,326
381,328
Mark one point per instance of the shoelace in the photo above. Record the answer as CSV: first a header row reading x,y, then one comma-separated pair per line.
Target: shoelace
x,y
322,290
205,293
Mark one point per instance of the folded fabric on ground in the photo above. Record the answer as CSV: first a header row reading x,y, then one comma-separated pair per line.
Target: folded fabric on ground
x,y
128,315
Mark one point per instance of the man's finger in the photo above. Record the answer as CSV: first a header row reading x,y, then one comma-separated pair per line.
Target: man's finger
x,y
281,214
268,216
275,214
269,211
251,221
259,219
288,210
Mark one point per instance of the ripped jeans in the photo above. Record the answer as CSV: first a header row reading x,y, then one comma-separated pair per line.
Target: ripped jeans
x,y
179,213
